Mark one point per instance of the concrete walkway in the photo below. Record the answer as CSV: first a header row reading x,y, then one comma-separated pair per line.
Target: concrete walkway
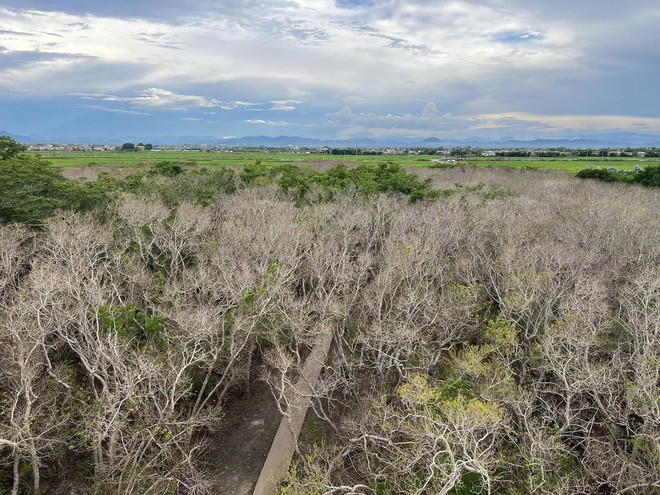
x,y
284,445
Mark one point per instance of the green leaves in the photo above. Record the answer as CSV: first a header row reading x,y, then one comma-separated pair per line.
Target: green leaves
x,y
10,148
367,179
649,177
33,189
131,323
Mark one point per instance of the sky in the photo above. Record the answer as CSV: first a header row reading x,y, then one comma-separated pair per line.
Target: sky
x,y
330,69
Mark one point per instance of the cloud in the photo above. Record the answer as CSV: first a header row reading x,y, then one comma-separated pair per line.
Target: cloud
x,y
116,110
428,119
354,4
162,98
15,33
430,110
190,119
432,123
515,37
233,105
573,123
386,59
285,105
267,122
156,98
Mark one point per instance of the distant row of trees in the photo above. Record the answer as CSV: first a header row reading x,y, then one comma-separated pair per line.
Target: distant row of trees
x,y
136,147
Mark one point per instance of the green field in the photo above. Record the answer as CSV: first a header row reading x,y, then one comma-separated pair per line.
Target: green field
x,y
82,159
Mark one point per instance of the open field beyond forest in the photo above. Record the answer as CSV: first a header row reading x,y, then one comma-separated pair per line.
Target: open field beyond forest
x,y
239,158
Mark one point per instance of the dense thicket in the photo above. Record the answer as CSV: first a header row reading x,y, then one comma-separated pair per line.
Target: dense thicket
x,y
32,190
503,338
649,177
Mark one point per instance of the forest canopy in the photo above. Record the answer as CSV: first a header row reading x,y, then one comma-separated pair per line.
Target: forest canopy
x,y
495,331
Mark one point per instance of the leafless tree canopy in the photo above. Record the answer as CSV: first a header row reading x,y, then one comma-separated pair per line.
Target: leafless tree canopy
x,y
502,339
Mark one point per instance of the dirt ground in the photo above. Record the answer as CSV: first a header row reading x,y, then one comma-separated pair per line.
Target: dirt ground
x,y
241,446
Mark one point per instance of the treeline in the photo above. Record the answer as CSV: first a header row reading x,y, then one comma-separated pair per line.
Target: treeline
x,y
485,341
32,189
649,176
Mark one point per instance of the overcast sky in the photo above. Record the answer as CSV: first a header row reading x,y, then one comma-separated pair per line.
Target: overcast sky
x,y
330,69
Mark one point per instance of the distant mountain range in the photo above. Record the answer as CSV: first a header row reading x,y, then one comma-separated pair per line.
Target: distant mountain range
x,y
610,140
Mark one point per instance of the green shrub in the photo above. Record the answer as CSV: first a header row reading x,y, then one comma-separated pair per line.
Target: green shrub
x,y
367,179
33,189
600,174
649,177
166,169
130,322
253,171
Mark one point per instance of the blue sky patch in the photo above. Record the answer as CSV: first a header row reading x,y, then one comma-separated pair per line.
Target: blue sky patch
x,y
354,4
515,37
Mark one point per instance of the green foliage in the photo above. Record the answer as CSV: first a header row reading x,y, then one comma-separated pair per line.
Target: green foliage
x,y
368,179
469,484
496,193
253,171
453,388
9,148
130,322
312,431
443,165
649,177
500,333
600,174
166,169
564,466
33,189
176,184
202,186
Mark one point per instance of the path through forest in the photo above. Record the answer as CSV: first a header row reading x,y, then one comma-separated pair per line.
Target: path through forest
x,y
242,445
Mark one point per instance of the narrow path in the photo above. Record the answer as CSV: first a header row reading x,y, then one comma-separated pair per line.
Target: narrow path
x,y
242,444
286,438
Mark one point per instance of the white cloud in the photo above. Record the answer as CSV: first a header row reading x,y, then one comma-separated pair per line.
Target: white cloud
x,y
430,110
267,122
157,97
116,110
285,105
314,41
572,123
433,123
396,61
233,105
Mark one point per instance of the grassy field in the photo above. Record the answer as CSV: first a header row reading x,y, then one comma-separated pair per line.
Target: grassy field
x,y
81,159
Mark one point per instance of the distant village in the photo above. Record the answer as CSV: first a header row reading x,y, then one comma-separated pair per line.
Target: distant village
x,y
457,152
